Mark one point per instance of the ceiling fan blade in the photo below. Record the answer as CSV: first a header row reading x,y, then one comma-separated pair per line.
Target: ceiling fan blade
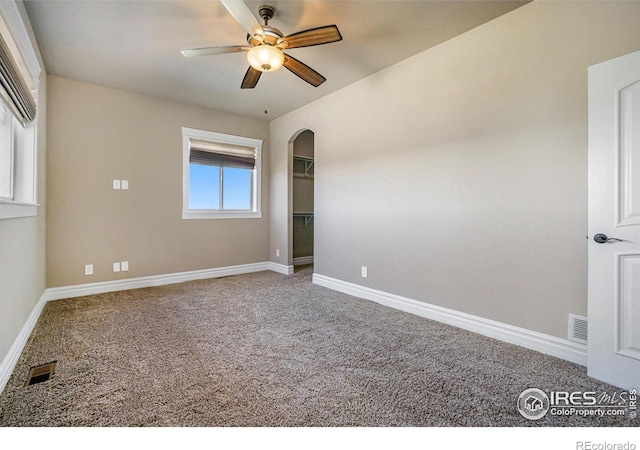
x,y
303,71
314,36
214,50
251,78
243,15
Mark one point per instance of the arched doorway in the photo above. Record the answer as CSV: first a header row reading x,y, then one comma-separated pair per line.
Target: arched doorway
x,y
302,199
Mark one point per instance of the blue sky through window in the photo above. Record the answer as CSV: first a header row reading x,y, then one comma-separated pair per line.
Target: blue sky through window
x,y
204,187
236,188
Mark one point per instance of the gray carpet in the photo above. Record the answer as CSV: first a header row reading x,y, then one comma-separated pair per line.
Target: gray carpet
x,y
270,350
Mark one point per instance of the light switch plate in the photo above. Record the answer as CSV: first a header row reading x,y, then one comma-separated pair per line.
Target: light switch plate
x,y
116,267
124,184
124,266
116,184
88,269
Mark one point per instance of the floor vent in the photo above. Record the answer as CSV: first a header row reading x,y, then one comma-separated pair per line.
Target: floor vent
x,y
40,374
578,328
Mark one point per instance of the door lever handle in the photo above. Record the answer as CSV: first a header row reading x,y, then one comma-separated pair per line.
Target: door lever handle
x,y
603,239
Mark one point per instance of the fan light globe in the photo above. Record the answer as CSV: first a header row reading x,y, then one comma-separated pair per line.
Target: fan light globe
x,y
265,58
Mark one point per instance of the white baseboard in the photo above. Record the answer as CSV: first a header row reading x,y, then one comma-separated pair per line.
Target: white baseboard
x,y
550,345
80,290
302,260
281,268
11,359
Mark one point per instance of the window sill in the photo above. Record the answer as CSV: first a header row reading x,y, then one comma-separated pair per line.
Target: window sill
x,y
221,215
14,210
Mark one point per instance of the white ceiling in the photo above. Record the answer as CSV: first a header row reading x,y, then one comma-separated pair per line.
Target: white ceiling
x,y
135,45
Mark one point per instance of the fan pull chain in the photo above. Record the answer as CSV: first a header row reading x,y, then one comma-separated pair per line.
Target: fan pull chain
x,y
265,97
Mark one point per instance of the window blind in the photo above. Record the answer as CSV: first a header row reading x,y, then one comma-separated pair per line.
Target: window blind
x,y
224,155
16,94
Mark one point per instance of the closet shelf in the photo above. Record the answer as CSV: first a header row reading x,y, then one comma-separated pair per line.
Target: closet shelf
x,y
308,165
308,216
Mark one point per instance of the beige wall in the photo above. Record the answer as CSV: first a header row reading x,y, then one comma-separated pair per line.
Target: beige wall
x,y
22,246
99,134
459,176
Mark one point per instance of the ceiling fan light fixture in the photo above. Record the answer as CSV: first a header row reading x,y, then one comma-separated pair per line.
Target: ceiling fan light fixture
x,y
265,58
266,45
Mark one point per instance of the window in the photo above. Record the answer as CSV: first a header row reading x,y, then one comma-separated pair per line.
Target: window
x,y
221,175
19,79
17,166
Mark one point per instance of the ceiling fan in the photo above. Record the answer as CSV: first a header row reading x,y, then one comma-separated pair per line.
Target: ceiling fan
x,y
266,44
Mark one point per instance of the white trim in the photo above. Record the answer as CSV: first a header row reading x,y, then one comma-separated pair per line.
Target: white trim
x,y
150,281
206,214
11,359
302,260
223,138
13,210
281,268
550,345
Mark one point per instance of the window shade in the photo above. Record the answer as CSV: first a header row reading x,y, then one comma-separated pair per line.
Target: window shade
x,y
224,155
16,93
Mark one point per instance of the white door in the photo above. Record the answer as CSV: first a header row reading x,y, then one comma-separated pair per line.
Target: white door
x,y
614,221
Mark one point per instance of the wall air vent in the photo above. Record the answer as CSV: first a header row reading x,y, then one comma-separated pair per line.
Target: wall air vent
x,y
578,328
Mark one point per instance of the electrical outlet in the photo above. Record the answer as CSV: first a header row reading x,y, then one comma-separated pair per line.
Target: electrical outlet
x,y
88,269
116,267
364,272
124,266
116,184
124,185
277,253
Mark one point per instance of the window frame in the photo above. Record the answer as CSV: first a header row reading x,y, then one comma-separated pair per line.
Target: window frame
x,y
23,171
15,29
11,152
256,178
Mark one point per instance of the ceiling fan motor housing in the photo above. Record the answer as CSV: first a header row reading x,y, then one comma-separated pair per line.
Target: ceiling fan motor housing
x,y
271,34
